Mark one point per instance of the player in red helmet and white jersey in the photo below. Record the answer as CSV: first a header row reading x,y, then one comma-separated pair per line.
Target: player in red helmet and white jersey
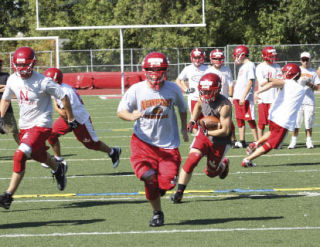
x,y
224,72
310,80
267,69
84,132
155,157
189,77
211,143
282,114
33,92
243,94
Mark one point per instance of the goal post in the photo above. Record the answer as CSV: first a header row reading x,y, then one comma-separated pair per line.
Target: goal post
x,y
56,46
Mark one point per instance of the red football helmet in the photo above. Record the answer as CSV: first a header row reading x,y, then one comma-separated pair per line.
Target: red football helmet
x,y
209,87
239,53
155,65
269,54
217,57
55,74
291,71
23,62
197,56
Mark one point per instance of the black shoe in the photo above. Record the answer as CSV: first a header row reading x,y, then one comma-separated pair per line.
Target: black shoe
x,y
177,197
5,200
162,192
60,175
157,219
244,144
115,156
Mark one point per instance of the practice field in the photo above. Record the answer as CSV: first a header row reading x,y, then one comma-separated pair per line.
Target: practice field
x,y
273,204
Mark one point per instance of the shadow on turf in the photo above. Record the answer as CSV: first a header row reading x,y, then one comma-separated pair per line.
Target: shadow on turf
x,y
264,196
49,223
223,220
87,204
293,164
106,174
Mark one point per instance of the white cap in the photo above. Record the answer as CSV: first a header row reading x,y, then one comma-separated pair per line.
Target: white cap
x,y
305,54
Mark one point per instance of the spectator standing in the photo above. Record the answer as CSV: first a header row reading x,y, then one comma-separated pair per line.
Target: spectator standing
x,y
310,80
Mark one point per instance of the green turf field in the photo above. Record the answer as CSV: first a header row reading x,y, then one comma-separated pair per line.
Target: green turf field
x,y
273,204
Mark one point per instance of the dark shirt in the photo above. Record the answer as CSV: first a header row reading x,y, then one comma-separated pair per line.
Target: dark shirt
x,y
3,81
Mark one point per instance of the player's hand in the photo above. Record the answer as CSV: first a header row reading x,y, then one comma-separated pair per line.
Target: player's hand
x,y
73,124
190,90
136,115
256,97
230,99
190,126
184,135
203,128
2,123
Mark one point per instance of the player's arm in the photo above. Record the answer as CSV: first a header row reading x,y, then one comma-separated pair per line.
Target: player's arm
x,y
68,109
59,110
183,118
196,111
4,105
2,88
129,116
246,91
225,121
182,84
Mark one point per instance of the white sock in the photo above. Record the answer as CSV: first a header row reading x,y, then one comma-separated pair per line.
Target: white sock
x,y
111,152
58,158
309,139
294,139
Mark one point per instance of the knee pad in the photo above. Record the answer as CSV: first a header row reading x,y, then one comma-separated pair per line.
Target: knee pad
x,y
252,124
191,162
53,138
151,188
92,145
19,161
26,149
240,123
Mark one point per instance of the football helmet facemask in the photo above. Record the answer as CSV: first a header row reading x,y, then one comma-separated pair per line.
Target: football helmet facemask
x,y
197,57
269,54
155,65
240,53
209,87
55,74
291,71
217,58
23,62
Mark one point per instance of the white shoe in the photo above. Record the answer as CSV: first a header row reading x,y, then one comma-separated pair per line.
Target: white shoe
x,y
292,145
44,165
309,144
238,144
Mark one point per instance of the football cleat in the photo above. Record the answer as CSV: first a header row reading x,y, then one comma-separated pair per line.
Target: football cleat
x,y
157,219
5,200
60,175
115,157
246,163
251,148
225,172
44,165
292,145
177,197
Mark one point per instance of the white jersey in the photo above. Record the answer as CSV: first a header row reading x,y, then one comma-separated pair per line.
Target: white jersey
x,y
226,78
192,74
158,126
246,73
285,108
310,74
79,112
263,72
34,99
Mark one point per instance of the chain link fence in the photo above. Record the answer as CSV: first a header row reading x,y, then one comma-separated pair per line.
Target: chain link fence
x,y
108,60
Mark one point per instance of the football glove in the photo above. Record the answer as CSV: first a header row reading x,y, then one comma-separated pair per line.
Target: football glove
x,y
190,90
190,126
73,124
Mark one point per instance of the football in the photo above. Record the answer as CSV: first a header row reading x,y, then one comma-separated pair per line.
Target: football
x,y
211,122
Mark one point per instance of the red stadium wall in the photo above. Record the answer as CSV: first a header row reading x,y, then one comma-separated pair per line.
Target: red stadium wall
x,y
101,80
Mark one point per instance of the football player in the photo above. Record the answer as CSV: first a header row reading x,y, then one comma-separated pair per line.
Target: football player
x,y
84,131
282,115
243,94
33,92
267,69
189,77
155,156
211,143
